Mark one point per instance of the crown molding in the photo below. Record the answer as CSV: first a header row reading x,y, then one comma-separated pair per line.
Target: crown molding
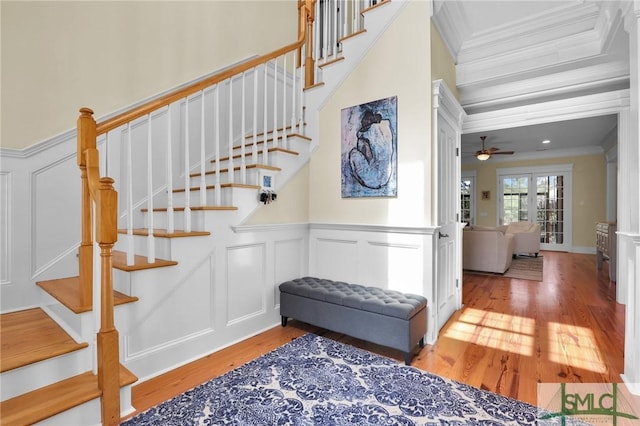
x,y
600,77
446,102
546,27
549,112
451,22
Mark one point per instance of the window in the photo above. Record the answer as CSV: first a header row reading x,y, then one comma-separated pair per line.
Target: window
x,y
468,199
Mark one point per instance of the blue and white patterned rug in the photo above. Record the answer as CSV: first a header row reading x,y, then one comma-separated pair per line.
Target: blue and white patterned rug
x,y
317,381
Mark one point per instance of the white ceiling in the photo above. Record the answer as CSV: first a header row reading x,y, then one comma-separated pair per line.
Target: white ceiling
x,y
516,52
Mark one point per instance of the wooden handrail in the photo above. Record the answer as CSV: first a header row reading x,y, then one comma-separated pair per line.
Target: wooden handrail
x,y
307,9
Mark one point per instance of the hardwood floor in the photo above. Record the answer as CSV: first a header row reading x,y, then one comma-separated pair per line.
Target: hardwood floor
x,y
510,335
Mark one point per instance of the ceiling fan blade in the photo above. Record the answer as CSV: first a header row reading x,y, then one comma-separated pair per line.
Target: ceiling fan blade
x,y
503,152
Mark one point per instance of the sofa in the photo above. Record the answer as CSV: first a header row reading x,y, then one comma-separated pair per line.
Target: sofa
x,y
487,249
526,236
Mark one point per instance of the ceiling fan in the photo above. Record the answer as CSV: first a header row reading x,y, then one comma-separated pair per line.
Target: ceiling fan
x,y
485,154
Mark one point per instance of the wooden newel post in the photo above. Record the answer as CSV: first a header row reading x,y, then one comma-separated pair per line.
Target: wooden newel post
x,y
86,139
310,66
108,340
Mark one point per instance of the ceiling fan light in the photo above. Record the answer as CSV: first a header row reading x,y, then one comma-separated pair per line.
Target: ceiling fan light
x,y
483,156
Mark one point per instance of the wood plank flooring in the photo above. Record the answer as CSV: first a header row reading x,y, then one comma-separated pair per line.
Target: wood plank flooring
x,y
510,335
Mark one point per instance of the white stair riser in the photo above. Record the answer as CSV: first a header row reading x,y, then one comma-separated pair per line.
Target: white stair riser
x,y
89,414
229,196
162,246
28,378
81,327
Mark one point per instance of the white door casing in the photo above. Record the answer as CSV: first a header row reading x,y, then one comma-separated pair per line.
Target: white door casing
x,y
447,125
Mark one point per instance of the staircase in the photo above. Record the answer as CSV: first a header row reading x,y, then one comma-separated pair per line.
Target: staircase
x,y
177,207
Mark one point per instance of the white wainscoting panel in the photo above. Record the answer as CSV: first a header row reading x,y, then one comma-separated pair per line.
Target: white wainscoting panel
x,y
394,265
394,258
289,262
55,200
246,277
170,311
334,257
5,229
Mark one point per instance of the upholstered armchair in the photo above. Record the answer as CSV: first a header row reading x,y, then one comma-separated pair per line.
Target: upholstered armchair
x,y
526,237
487,249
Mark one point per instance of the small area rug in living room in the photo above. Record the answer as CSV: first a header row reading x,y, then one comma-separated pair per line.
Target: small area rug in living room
x,y
313,380
525,268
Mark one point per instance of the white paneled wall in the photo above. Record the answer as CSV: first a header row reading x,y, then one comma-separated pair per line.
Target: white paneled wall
x,y
393,258
39,219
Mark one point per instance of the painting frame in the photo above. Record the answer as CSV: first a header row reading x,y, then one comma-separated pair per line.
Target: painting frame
x,y
369,146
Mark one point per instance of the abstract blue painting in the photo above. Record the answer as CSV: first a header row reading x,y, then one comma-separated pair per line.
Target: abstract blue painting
x,y
369,149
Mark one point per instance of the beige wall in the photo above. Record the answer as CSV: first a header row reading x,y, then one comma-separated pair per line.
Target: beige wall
x,y
443,66
291,205
589,192
389,69
58,56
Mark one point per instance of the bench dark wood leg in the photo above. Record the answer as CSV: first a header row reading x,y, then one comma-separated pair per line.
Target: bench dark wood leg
x,y
284,320
407,358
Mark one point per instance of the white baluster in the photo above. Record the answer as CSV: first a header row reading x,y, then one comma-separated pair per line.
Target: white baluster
x,y
318,31
170,219
151,250
254,152
203,156
343,9
243,164
104,158
130,246
336,28
325,31
187,169
218,189
294,94
284,101
356,14
230,178
265,149
275,102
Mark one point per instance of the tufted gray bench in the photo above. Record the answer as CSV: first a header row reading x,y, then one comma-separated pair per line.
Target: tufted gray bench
x,y
386,317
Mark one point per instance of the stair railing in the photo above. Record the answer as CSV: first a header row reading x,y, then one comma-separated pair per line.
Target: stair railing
x,y
335,21
245,112
99,196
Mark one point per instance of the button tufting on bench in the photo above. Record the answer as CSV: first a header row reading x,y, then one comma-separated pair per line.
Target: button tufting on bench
x,y
372,299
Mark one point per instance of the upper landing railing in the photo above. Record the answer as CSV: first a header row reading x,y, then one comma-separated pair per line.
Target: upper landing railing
x,y
243,113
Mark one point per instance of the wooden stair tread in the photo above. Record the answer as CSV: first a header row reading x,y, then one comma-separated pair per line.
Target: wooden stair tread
x,y
163,233
248,166
260,152
196,208
50,400
67,292
30,336
139,262
222,185
331,61
279,130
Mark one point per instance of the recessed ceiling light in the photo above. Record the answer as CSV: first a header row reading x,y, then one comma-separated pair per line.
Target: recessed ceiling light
x,y
546,141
